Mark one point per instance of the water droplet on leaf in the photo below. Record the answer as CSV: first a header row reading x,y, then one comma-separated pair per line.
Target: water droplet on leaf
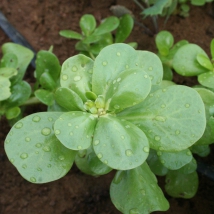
x,y
36,119
23,155
129,152
46,131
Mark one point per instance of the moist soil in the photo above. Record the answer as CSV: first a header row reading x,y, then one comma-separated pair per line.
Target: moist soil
x,y
76,193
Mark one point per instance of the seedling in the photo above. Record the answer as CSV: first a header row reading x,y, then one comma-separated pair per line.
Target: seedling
x,y
14,91
116,113
93,39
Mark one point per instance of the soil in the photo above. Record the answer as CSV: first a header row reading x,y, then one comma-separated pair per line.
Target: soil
x,y
40,21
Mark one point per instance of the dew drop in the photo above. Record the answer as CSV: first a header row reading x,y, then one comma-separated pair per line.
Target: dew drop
x,y
61,157
12,160
79,147
118,79
24,166
164,90
38,145
32,179
157,138
145,76
7,141
49,165
114,81
162,161
116,106
118,53
57,132
46,148
161,148
177,132
50,119
151,77
129,152
39,169
36,119
76,127
134,211
74,69
37,152
27,139
69,124
46,131
122,137
163,106
159,153
127,126
96,142
71,133
143,192
189,153
106,162
127,66
99,155
104,63
23,155
64,77
19,125
146,149
150,68
160,118
187,105
77,78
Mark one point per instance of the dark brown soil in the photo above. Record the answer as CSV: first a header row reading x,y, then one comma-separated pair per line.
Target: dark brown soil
x,y
40,21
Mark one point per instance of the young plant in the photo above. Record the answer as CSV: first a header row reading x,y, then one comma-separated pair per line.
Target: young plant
x,y
166,51
191,60
116,111
93,39
13,90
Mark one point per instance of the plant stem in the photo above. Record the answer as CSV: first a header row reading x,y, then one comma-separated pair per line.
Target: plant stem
x,y
31,101
139,4
91,55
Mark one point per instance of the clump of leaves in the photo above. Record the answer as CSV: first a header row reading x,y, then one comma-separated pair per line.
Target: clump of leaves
x,y
192,60
117,114
14,91
166,51
93,38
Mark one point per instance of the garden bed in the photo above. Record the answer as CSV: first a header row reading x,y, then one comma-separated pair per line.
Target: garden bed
x,y
40,22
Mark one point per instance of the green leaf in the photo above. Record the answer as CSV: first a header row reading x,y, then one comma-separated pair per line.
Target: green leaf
x,y
88,162
175,160
75,129
7,72
123,57
156,9
180,185
212,48
47,82
45,96
207,79
20,92
47,62
185,60
164,41
87,24
33,149
70,34
125,28
201,150
12,112
166,117
123,94
92,39
155,164
109,24
189,168
119,144
205,62
198,2
9,60
167,73
76,74
68,99
24,56
4,88
136,191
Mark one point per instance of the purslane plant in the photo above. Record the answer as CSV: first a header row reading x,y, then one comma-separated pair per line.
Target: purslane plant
x,y
117,114
13,90
93,39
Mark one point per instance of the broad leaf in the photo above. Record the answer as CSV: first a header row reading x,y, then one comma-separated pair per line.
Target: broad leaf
x,y
201,150
109,24
45,96
122,93
185,60
88,162
207,79
68,99
198,2
119,144
212,48
87,24
47,62
7,72
70,34
9,60
124,29
180,185
24,57
136,191
175,160
166,117
205,62
33,149
123,57
76,74
47,82
12,112
75,129
4,88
